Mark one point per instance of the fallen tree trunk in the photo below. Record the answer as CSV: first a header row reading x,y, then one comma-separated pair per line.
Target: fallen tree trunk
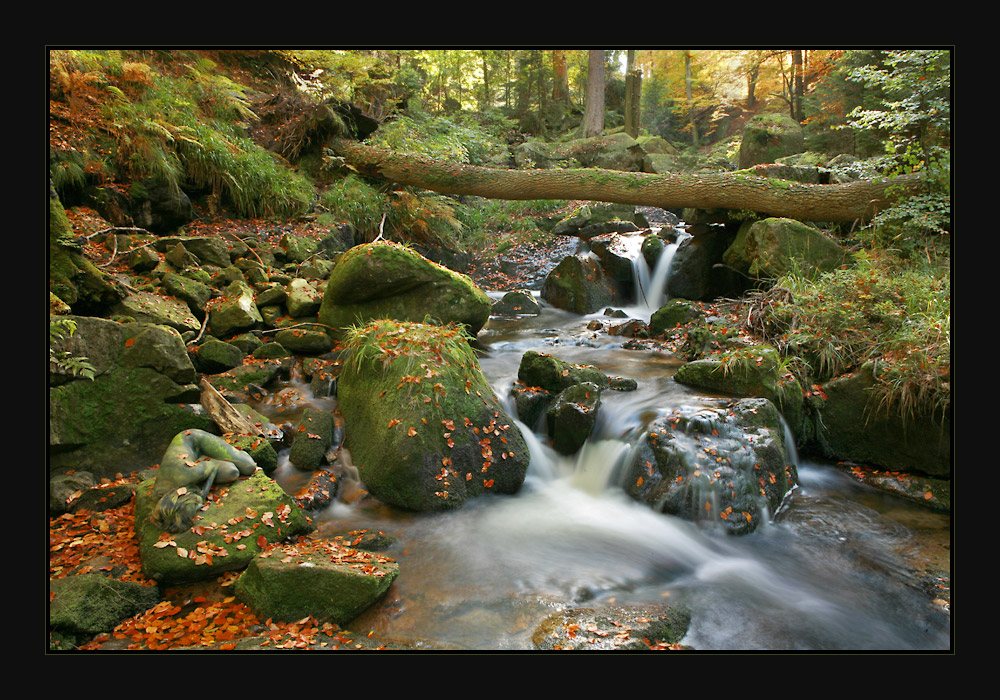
x,y
849,202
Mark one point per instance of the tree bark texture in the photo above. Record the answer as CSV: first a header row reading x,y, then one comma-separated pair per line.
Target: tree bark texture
x,y
848,202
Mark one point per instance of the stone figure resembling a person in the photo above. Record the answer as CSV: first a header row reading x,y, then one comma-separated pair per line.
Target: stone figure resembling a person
x,y
192,463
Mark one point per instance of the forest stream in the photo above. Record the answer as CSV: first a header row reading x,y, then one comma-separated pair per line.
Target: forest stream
x,y
840,567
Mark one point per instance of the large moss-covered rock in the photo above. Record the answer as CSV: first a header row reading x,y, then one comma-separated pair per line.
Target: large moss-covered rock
x,y
671,315
208,250
768,137
423,424
773,247
87,604
323,579
387,280
856,428
725,466
578,284
134,406
555,375
239,521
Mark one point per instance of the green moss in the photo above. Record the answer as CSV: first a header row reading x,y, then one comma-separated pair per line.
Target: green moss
x,y
422,422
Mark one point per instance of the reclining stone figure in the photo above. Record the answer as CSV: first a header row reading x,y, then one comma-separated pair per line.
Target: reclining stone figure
x,y
195,459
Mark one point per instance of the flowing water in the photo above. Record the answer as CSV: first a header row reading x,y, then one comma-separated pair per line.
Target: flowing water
x,y
842,568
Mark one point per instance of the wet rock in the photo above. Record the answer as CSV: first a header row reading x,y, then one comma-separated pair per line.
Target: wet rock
x,y
725,467
578,284
613,628
313,438
572,417
517,302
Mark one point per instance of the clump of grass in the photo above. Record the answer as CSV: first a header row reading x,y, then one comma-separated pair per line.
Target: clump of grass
x,y
403,215
423,351
884,310
181,123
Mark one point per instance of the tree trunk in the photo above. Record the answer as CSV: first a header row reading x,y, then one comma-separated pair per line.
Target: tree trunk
x,y
593,117
690,99
855,201
798,87
560,77
633,92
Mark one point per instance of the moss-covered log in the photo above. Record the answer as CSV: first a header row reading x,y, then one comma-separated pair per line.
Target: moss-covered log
x,y
854,201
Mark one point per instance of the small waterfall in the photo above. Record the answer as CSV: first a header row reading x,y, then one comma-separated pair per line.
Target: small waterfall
x,y
651,284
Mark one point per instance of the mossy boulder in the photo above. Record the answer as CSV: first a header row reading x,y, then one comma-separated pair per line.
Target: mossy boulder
x,y
236,311
768,137
555,375
516,303
856,428
572,416
214,356
386,280
675,313
87,604
190,291
725,466
238,522
303,298
578,284
304,341
323,579
753,372
207,250
772,247
313,438
423,425
138,400
153,308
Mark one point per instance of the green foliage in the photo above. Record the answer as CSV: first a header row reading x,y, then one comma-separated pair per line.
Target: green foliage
x,y
404,215
910,110
882,310
62,362
457,139
183,126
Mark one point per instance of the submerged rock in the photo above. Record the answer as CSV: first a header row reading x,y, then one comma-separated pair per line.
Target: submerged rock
x,y
725,466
